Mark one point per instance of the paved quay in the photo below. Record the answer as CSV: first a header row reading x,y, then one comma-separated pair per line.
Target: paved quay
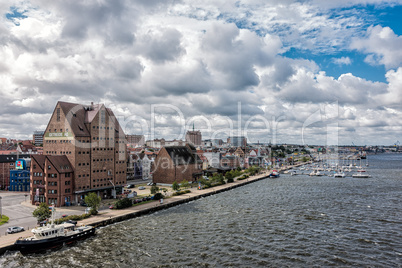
x,y
113,215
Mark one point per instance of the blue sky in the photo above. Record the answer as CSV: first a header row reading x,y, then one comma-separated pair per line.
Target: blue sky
x,y
278,64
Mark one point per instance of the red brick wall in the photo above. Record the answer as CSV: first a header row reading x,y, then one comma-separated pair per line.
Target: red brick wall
x,y
165,172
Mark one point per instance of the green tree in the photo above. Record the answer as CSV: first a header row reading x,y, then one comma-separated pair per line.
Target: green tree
x,y
93,201
184,184
154,189
175,186
229,176
42,212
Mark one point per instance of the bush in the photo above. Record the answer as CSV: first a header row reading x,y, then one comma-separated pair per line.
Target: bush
x,y
154,189
123,203
72,217
229,180
175,186
181,192
158,196
205,183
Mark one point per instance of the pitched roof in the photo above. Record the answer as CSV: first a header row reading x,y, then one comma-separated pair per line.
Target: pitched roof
x,y
76,115
181,155
40,159
61,163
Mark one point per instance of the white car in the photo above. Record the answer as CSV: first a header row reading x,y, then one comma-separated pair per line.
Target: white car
x,y
141,188
15,229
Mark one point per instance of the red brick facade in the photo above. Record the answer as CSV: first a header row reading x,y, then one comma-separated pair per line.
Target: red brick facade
x,y
52,180
176,163
94,143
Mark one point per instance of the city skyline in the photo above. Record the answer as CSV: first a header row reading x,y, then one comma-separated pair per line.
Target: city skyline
x,y
312,72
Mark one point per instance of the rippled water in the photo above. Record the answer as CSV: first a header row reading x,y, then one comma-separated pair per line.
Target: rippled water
x,y
294,221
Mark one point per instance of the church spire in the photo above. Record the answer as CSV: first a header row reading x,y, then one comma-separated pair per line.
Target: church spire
x,y
193,126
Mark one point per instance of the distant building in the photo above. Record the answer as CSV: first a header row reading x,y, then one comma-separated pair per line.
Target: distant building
x,y
238,141
217,142
156,143
7,163
194,137
38,137
214,158
177,163
230,161
135,140
19,177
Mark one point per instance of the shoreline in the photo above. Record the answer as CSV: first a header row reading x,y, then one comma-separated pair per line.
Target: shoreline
x,y
114,216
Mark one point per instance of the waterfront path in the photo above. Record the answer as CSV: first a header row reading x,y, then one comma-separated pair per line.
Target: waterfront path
x,y
113,215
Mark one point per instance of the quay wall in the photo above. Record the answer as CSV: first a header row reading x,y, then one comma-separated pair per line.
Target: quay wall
x,y
115,219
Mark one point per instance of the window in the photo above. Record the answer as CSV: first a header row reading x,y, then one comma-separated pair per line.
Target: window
x,y
58,114
102,116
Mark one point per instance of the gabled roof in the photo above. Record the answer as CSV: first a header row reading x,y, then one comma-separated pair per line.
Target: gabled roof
x,y
181,155
76,115
40,159
60,163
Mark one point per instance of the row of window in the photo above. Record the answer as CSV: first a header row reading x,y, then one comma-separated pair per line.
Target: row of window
x,y
52,191
20,180
97,127
79,152
102,138
55,152
52,201
60,141
52,183
84,175
83,164
103,149
67,190
109,173
19,175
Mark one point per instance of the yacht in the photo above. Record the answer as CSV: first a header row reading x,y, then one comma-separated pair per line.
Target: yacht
x,y
53,236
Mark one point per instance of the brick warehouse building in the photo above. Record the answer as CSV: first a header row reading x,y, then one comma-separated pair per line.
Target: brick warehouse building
x,y
94,143
176,163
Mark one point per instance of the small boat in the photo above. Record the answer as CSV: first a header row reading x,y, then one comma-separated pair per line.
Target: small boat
x,y
53,236
361,174
274,174
339,175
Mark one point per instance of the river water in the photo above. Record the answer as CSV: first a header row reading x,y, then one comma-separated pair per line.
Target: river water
x,y
293,221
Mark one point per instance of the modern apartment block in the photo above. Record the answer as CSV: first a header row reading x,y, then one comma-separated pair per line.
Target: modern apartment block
x,y
37,138
93,142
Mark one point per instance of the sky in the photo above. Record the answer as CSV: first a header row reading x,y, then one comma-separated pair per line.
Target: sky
x,y
306,72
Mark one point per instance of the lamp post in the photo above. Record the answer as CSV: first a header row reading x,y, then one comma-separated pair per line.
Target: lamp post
x,y
114,190
1,212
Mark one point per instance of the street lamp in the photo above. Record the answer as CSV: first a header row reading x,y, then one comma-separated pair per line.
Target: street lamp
x,y
1,212
114,189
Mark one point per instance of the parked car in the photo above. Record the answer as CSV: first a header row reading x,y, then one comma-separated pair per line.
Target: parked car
x,y
42,223
130,186
15,229
72,222
141,188
150,183
111,206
